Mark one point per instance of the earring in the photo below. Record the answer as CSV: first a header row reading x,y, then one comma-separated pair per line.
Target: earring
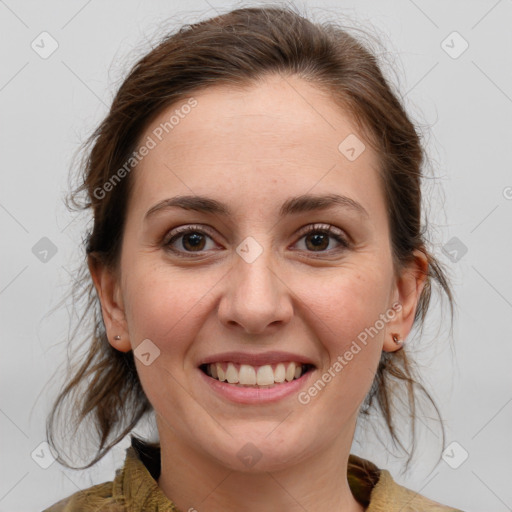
x,y
117,338
396,339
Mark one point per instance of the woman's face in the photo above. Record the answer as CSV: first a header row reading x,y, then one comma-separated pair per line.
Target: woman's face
x,y
252,287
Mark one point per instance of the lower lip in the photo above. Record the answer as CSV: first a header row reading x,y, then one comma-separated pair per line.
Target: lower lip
x,y
248,395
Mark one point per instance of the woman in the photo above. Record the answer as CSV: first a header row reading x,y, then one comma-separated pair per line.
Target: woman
x,y
259,260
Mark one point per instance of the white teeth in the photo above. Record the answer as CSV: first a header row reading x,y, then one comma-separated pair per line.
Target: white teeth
x,y
290,372
280,373
265,376
247,375
220,373
231,374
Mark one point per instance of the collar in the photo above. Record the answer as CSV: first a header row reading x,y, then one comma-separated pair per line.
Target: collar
x,y
135,485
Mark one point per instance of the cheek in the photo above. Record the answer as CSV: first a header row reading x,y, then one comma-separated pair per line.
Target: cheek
x,y
167,308
164,307
345,302
345,313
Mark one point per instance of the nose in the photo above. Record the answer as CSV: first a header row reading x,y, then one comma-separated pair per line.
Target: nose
x,y
256,298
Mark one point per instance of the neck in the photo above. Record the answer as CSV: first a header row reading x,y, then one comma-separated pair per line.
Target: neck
x,y
196,482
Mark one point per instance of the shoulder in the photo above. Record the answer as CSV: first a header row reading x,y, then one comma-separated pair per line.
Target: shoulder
x,y
387,496
376,490
133,488
97,497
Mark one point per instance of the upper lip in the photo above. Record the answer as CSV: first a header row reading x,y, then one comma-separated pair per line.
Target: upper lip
x,y
260,359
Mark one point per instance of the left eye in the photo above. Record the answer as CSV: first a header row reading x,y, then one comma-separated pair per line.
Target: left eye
x,y
194,239
318,236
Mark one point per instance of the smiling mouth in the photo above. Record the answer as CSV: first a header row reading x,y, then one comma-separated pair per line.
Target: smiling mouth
x,y
265,376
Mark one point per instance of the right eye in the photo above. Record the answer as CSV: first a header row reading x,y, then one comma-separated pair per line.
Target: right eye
x,y
192,239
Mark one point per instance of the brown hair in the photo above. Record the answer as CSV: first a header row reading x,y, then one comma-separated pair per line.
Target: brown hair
x,y
237,48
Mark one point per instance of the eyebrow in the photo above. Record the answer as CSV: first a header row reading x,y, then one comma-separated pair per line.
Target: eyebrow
x,y
293,205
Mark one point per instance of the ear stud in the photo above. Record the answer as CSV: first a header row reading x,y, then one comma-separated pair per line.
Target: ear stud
x,y
396,339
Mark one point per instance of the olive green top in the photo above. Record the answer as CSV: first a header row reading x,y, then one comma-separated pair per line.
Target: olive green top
x,y
135,488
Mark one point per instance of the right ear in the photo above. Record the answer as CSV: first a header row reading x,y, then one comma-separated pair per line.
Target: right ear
x,y
112,308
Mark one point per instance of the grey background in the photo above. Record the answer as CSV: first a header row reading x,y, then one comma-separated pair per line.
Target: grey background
x,y
48,106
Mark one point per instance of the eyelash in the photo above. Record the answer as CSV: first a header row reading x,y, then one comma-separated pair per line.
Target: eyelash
x,y
324,229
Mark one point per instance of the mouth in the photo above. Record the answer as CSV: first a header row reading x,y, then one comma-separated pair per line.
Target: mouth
x,y
251,376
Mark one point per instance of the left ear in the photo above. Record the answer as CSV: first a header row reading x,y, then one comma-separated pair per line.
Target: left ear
x,y
407,292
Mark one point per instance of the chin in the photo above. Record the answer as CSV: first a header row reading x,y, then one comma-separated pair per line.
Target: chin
x,y
260,450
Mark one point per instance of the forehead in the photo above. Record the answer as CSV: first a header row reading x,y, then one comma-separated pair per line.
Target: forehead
x,y
281,136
